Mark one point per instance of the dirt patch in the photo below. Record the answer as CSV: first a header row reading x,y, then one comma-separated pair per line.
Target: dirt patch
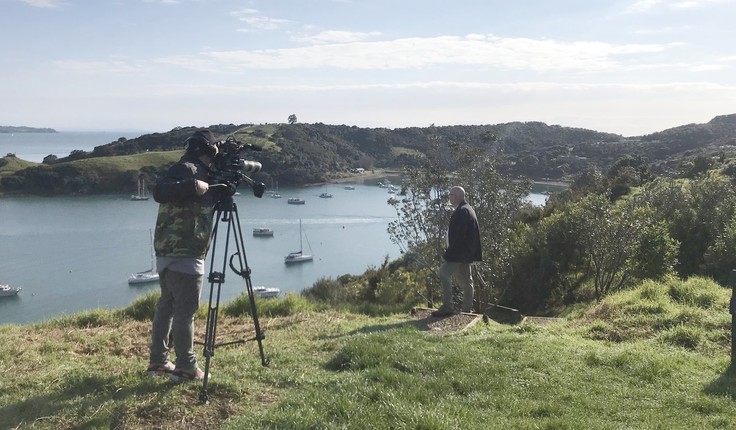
x,y
443,325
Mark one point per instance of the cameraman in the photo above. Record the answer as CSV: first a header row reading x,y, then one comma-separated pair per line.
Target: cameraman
x,y
182,239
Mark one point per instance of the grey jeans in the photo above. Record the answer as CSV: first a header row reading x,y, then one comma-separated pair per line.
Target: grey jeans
x,y
175,316
461,273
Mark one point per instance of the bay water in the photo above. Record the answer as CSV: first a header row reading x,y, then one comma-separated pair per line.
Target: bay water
x,y
70,254
35,146
75,253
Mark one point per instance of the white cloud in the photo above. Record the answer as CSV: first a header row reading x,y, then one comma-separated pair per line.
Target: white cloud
x,y
708,67
641,6
44,3
336,36
411,53
662,30
254,20
99,67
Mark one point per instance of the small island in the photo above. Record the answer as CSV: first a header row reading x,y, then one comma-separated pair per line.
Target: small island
x,y
23,129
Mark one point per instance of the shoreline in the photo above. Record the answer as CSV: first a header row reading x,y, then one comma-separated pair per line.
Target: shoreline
x,y
358,177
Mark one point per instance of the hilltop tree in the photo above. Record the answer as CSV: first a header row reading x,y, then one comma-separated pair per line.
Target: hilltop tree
x,y
292,119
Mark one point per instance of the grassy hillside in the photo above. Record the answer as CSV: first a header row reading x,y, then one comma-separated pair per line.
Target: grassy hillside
x,y
654,357
10,165
123,163
90,175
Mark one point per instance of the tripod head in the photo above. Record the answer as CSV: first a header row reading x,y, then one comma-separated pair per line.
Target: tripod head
x,y
229,167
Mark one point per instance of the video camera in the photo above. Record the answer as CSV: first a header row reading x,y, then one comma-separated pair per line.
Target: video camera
x,y
231,168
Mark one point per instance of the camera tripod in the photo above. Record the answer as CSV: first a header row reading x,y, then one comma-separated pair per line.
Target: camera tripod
x,y
226,212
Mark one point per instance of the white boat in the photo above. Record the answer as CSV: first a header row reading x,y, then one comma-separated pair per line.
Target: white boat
x,y
263,232
141,191
147,276
295,201
349,187
266,292
326,195
7,290
275,194
299,256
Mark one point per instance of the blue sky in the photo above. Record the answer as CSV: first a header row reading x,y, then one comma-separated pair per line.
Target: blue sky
x,y
629,67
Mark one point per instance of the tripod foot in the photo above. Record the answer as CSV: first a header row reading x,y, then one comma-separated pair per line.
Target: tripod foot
x,y
204,398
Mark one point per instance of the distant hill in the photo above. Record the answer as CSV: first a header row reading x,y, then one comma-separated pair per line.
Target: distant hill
x,y
296,154
302,153
12,129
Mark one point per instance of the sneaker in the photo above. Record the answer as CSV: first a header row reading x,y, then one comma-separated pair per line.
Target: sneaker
x,y
159,370
180,376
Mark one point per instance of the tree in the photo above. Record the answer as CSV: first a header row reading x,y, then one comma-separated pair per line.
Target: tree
x,y
292,119
50,159
423,214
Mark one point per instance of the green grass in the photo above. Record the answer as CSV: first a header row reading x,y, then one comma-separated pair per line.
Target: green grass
x,y
13,165
400,150
120,163
656,357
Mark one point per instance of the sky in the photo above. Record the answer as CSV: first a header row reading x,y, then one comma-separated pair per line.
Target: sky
x,y
630,67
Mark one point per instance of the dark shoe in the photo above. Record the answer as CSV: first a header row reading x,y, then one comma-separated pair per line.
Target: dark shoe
x,y
159,370
180,376
439,313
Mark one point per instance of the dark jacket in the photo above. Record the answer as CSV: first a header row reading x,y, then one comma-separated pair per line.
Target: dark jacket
x,y
463,236
184,223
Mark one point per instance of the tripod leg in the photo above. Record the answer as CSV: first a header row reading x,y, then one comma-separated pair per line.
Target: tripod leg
x,y
229,214
209,341
245,274
216,279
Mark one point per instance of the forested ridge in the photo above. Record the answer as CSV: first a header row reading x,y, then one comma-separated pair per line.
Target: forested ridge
x,y
307,153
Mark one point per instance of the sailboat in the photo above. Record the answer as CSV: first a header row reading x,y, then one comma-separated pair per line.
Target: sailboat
x,y
275,194
299,256
149,275
141,191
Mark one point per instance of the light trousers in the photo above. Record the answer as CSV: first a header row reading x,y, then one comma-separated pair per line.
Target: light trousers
x,y
175,318
461,273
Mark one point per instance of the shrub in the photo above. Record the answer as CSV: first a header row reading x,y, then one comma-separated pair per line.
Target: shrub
x,y
683,336
143,308
289,305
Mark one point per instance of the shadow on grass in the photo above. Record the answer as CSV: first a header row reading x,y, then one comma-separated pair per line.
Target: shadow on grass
x,y
81,400
420,324
724,385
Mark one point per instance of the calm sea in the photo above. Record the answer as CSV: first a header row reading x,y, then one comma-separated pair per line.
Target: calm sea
x,y
75,253
35,146
70,254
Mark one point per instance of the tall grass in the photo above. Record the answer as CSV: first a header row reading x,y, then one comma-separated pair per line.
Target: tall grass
x,y
654,357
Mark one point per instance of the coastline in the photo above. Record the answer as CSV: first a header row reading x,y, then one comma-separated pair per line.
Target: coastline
x,y
359,177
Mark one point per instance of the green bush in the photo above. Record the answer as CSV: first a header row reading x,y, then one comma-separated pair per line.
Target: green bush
x,y
684,336
698,292
291,304
143,308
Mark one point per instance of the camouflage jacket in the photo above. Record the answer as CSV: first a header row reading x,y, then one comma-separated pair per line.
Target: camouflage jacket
x,y
184,223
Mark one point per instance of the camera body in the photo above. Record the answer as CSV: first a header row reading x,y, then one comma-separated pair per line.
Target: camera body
x,y
230,167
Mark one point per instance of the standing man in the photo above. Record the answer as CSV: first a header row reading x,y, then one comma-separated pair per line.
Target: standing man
x,y
463,248
182,239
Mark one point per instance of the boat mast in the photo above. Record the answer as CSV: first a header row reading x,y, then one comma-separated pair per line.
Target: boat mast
x,y
153,257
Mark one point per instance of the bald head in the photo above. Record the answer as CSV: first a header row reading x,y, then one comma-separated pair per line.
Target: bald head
x,y
457,195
